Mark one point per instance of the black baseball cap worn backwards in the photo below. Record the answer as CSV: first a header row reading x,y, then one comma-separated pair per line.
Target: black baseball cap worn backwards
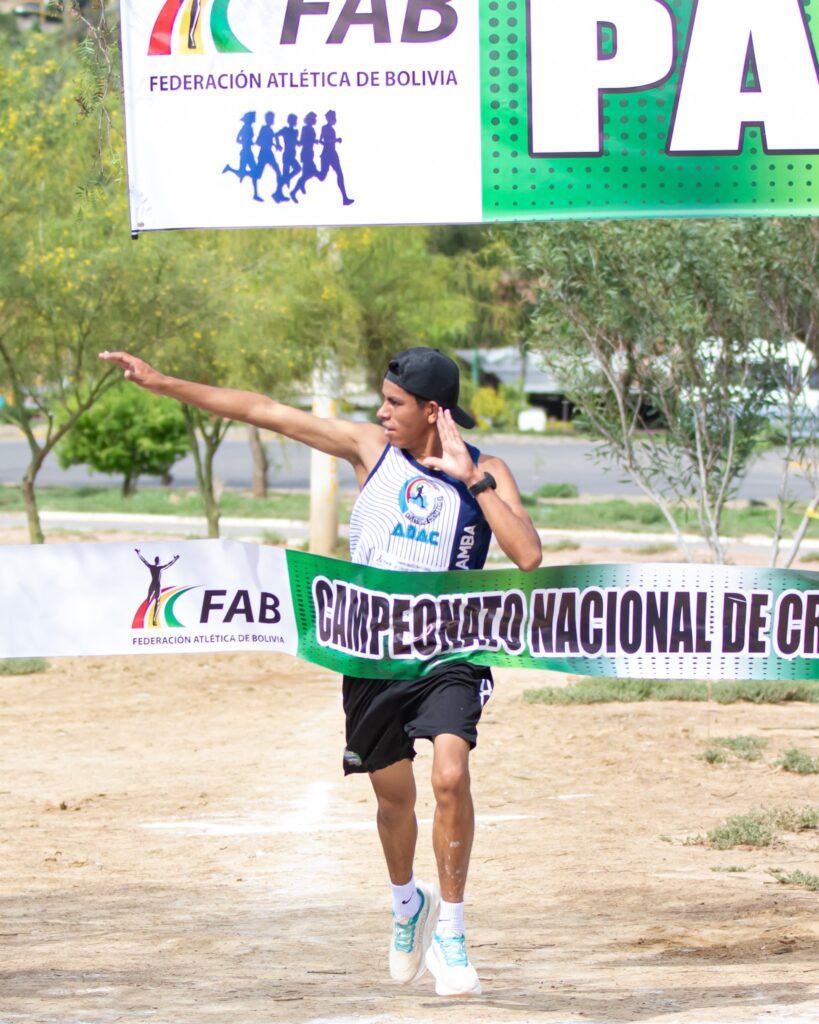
x,y
429,374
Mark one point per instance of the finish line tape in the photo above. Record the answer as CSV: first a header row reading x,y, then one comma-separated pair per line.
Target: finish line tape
x,y
659,621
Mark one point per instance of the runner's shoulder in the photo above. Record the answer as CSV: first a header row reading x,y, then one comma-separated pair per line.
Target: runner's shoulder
x,y
497,467
370,440
491,463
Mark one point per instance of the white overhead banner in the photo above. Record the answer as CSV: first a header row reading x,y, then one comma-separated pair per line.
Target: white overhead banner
x,y
276,113
248,113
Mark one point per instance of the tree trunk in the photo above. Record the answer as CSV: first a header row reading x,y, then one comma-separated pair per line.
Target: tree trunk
x,y
261,463
35,530
204,467
211,499
799,536
24,420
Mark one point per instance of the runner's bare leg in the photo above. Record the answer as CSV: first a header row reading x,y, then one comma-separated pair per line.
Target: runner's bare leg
x,y
397,825
454,825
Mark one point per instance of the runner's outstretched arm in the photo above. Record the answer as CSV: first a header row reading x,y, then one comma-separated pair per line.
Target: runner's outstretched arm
x,y
358,443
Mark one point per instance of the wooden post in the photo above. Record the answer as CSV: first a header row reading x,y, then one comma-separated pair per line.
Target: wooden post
x,y
324,468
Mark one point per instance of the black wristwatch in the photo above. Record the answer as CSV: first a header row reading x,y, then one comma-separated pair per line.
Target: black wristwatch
x,y
488,483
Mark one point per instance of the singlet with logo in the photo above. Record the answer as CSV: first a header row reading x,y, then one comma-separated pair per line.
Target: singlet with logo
x,y
412,518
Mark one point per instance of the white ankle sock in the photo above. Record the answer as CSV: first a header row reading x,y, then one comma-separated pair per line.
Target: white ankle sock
x,y
405,899
451,919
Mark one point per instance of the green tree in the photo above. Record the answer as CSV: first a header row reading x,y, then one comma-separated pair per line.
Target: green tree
x,y
655,317
305,319
405,293
785,256
500,294
128,432
276,310
245,309
41,270
71,281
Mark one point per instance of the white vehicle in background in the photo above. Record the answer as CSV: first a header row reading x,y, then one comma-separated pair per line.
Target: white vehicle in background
x,y
778,380
786,372
796,400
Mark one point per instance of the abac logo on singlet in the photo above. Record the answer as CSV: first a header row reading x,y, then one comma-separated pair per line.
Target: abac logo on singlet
x,y
420,500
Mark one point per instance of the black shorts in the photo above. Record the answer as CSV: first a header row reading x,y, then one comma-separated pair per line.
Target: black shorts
x,y
385,716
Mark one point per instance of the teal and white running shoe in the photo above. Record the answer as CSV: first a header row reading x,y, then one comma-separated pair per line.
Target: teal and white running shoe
x,y
411,938
449,964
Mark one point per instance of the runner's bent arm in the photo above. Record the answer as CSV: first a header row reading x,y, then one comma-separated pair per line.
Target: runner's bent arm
x,y
502,508
357,443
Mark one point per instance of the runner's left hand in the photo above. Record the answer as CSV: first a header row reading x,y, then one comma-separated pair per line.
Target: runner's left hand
x,y
455,459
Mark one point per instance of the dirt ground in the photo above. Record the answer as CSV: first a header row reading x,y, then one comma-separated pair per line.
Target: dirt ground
x,y
179,846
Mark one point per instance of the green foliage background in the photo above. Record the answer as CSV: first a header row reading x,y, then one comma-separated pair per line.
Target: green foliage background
x,y
257,310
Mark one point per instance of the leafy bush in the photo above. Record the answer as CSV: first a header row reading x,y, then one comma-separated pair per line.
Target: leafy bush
x,y
130,432
488,407
741,830
497,409
557,491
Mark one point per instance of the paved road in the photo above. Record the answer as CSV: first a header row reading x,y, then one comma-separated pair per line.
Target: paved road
x,y
534,461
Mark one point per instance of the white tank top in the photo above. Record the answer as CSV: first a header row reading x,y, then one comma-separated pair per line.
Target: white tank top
x,y
412,518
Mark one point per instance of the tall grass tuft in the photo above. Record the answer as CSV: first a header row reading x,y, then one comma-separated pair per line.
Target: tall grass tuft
x,y
761,827
594,690
798,761
800,878
746,748
22,666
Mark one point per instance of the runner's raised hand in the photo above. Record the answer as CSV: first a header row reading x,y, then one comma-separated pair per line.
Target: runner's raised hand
x,y
134,369
455,458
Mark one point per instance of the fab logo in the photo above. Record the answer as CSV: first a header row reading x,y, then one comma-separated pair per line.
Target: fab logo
x,y
157,610
420,500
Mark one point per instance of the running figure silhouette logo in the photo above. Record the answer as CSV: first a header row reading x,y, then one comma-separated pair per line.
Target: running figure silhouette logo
x,y
292,143
416,497
155,586
329,155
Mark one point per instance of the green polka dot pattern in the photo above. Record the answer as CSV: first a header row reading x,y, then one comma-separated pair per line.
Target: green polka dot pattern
x,y
635,176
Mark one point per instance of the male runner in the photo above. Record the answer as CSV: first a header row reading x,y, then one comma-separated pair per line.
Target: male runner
x,y
427,502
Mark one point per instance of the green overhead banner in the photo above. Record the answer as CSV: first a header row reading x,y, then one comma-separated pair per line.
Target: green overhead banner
x,y
694,108
251,113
